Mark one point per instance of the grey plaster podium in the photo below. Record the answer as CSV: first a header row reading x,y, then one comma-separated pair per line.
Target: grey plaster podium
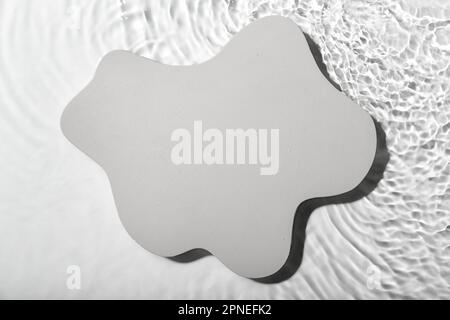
x,y
219,156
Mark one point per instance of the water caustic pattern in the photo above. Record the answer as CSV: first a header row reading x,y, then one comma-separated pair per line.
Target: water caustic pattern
x,y
56,207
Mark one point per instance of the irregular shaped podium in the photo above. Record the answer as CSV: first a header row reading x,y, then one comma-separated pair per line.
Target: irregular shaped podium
x,y
220,155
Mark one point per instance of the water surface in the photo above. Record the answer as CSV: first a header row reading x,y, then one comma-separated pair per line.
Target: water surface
x,y
56,206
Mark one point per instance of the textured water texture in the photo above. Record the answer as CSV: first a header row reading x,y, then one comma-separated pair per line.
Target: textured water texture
x,y
56,207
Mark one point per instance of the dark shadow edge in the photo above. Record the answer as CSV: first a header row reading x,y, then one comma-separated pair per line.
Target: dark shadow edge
x,y
315,50
306,208
191,255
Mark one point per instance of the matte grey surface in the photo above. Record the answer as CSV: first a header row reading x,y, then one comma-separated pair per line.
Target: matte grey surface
x,y
265,78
